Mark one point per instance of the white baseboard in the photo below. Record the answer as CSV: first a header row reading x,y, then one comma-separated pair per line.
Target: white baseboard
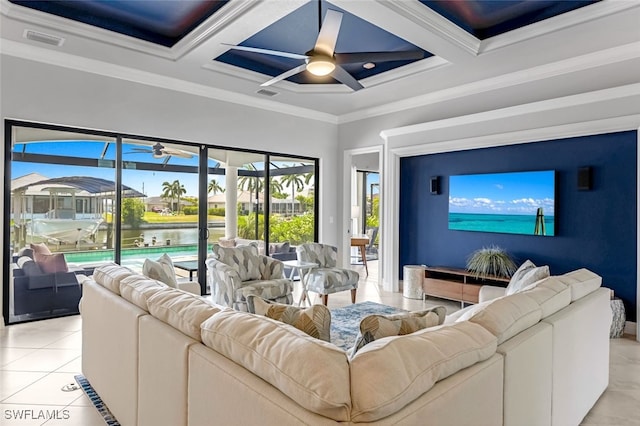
x,y
630,327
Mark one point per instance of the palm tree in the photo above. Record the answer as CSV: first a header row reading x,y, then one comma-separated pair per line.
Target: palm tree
x,y
167,192
251,183
295,182
178,191
214,187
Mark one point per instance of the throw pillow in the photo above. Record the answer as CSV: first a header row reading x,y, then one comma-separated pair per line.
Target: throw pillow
x,y
52,263
526,275
40,248
279,248
374,327
161,270
314,320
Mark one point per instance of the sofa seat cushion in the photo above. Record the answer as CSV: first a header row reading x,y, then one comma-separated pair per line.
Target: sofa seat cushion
x,y
384,379
374,327
323,280
507,316
550,293
181,310
161,270
581,282
313,373
244,259
267,289
137,289
110,275
314,320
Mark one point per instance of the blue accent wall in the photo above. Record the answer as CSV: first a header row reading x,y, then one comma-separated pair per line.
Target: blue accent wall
x,y
595,229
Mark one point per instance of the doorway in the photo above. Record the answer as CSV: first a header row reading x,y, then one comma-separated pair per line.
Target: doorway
x,y
363,201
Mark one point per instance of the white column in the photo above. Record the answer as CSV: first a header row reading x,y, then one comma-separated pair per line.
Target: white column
x,y
231,202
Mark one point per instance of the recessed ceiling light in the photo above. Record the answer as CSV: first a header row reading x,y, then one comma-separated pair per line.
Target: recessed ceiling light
x,y
368,65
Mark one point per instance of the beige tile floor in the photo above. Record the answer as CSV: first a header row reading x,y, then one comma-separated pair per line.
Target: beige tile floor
x,y
38,359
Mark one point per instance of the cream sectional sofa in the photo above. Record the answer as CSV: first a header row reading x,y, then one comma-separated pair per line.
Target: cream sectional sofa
x,y
160,356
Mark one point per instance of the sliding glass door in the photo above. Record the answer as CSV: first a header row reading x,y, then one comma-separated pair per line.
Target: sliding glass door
x,y
79,198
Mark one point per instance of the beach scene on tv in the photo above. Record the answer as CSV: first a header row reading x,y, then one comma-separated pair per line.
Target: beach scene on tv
x,y
514,203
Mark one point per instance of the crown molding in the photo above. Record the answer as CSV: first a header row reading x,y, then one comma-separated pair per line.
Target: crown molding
x,y
211,26
563,131
556,23
567,66
408,70
433,22
402,139
65,60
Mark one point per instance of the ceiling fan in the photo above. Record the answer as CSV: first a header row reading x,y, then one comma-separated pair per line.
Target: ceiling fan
x,y
322,59
158,150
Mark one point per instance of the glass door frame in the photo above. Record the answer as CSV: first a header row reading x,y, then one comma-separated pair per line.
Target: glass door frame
x,y
119,137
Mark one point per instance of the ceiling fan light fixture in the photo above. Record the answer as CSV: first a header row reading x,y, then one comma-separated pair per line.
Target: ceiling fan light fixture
x,y
321,65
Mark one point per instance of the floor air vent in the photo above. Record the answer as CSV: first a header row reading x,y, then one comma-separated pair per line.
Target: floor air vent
x,y
265,92
43,38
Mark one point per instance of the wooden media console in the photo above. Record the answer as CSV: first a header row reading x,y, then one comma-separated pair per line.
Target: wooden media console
x,y
456,283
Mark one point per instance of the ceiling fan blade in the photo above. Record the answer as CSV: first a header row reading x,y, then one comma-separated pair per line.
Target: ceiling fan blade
x,y
266,51
286,74
328,36
355,57
345,78
177,153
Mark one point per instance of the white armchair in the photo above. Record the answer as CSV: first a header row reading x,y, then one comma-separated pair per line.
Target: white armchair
x,y
234,273
327,278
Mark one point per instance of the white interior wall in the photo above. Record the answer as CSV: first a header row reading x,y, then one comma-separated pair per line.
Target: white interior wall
x,y
33,91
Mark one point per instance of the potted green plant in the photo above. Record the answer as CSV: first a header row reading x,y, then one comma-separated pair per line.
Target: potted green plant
x,y
491,261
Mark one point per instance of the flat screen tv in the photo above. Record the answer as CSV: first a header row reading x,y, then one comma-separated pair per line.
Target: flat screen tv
x,y
514,203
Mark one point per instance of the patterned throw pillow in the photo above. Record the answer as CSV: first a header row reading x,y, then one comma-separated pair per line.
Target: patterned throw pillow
x,y
161,270
374,327
314,320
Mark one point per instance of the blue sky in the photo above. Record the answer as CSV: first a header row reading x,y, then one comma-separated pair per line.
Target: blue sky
x,y
147,182
502,193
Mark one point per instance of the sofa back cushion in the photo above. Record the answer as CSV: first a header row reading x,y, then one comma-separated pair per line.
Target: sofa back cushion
x,y
244,259
550,293
506,316
181,310
384,379
313,373
581,282
110,275
137,289
29,266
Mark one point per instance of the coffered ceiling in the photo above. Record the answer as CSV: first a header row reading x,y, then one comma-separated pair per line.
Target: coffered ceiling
x,y
540,48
